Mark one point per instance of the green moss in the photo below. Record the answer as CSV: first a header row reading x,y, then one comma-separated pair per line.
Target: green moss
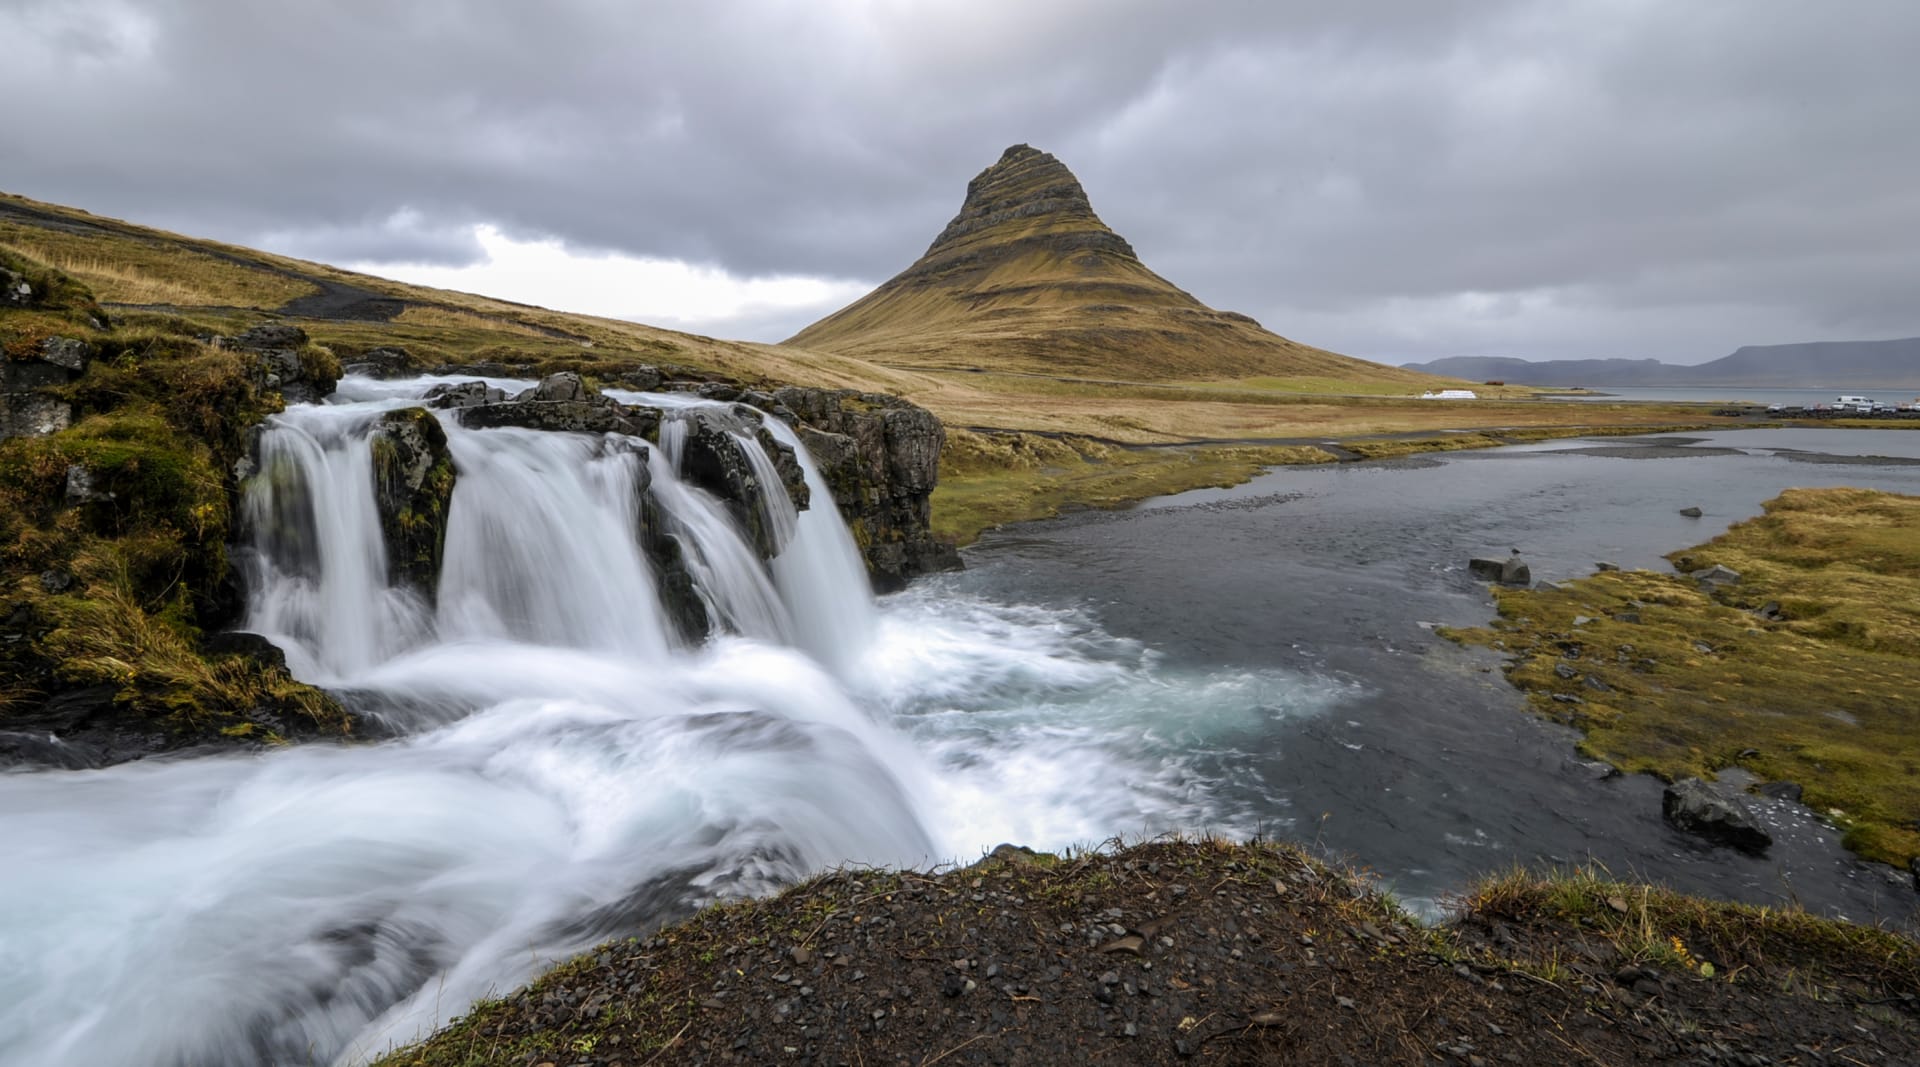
x,y
54,292
132,504
987,480
1672,680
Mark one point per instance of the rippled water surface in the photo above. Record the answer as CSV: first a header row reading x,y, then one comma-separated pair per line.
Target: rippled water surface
x,y
1423,764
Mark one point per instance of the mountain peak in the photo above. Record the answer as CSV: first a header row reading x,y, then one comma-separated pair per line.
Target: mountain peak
x,y
1026,194
1026,278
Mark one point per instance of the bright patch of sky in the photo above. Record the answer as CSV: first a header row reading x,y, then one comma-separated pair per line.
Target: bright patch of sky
x,y
659,292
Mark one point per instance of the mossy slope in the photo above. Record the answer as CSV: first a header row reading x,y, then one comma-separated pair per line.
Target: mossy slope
x,y
114,533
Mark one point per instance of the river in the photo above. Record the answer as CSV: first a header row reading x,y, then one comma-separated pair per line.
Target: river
x,y
1250,661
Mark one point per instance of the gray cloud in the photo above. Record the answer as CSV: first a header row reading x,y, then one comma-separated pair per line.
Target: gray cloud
x,y
1398,180
402,237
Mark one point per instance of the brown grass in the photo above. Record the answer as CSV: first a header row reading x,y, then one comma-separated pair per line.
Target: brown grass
x,y
130,270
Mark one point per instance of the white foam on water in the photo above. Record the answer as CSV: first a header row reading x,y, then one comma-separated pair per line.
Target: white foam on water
x,y
564,768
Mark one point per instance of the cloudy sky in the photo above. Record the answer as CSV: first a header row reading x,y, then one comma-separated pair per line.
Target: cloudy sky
x,y
1396,180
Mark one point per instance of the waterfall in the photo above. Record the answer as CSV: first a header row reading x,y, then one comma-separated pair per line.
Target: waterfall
x,y
319,571
821,572
543,543
564,767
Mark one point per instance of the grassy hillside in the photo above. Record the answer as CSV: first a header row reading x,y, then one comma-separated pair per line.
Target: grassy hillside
x,y
1027,277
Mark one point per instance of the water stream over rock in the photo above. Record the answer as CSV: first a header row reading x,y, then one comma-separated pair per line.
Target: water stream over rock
x,y
565,761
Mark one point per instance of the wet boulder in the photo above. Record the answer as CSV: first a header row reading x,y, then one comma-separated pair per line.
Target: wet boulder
x,y
386,361
1695,807
464,395
1510,571
563,402
413,478
880,458
715,456
686,610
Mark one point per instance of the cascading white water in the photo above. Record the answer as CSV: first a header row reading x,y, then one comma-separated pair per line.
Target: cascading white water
x,y
319,586
736,590
562,772
821,573
543,546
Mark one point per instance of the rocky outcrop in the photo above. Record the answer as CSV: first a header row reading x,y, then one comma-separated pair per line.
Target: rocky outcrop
x,y
685,610
464,395
288,361
413,478
1510,571
28,404
1693,806
386,361
1715,578
714,456
561,402
880,457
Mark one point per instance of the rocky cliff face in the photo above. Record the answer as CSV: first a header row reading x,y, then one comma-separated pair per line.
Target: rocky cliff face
x,y
880,456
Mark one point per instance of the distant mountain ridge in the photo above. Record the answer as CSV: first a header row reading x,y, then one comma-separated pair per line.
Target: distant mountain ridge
x,y
1812,365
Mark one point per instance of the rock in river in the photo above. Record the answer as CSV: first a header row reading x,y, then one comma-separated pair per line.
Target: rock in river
x,y
1510,571
1692,805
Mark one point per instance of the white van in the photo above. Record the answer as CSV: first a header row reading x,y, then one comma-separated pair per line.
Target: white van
x,y
1854,403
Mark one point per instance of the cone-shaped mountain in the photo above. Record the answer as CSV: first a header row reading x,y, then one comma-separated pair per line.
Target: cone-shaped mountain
x,y
1027,278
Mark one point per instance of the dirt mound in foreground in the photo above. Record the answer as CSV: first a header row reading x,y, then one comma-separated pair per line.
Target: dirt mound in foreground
x,y
1203,952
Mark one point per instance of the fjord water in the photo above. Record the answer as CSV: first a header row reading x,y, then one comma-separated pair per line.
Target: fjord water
x,y
563,768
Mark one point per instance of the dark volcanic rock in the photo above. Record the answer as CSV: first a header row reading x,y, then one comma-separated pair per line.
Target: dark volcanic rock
x,y
413,478
1692,805
715,458
249,645
1510,571
464,395
671,578
564,402
28,407
387,361
880,457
